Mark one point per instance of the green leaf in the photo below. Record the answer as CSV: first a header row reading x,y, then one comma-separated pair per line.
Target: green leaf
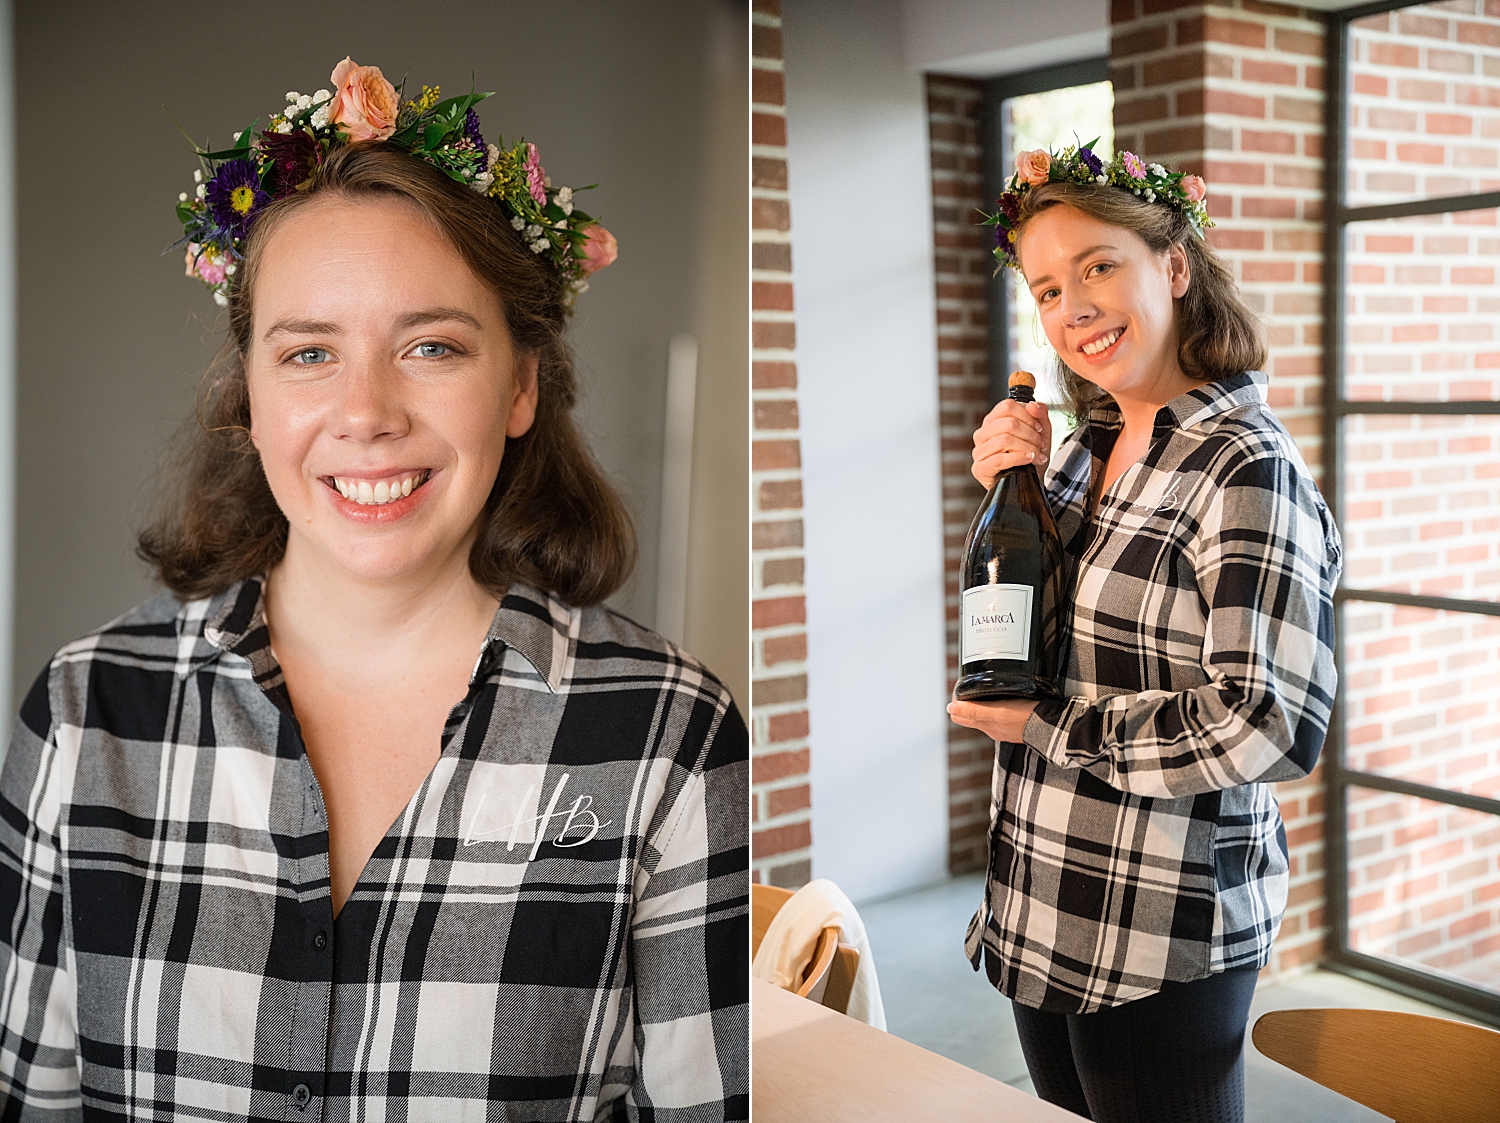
x,y
458,106
432,137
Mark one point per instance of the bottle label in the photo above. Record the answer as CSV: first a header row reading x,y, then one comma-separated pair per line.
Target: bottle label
x,y
996,622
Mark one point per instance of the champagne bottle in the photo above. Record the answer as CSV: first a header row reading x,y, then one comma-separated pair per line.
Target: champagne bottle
x,y
1011,600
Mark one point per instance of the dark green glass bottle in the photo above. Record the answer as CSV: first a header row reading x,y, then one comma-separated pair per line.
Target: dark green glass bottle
x,y
1011,599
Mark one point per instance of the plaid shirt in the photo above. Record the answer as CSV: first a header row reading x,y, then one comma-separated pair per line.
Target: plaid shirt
x,y
555,928
1134,838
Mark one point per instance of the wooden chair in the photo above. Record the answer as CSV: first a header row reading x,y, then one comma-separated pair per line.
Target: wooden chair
x,y
1410,1067
829,977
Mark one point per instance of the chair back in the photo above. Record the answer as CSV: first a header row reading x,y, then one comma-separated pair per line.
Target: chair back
x,y
829,976
1409,1067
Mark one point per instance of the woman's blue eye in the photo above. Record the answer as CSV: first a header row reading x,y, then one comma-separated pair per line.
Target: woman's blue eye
x,y
432,350
309,356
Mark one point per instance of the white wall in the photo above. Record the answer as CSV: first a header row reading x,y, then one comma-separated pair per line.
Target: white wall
x,y
987,38
867,365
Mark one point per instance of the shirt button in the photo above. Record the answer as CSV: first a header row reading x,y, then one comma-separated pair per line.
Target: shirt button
x,y
301,1095
320,941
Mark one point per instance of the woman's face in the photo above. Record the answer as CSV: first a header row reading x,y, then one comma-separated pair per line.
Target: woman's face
x,y
383,384
1106,301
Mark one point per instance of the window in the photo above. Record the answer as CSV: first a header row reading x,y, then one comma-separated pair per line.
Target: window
x,y
1412,455
1071,103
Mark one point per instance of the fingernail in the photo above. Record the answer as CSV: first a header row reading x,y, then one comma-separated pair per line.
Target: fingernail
x,y
1031,456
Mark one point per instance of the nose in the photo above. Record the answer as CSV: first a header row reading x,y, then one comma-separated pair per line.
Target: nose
x,y
369,405
1075,306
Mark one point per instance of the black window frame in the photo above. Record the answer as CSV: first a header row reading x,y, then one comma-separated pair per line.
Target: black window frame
x,y
1440,990
1058,76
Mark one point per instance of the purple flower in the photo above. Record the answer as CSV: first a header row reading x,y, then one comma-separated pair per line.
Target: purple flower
x,y
294,157
235,197
1092,162
471,130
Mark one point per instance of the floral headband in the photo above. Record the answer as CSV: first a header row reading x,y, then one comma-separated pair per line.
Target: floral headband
x,y
1078,164
236,184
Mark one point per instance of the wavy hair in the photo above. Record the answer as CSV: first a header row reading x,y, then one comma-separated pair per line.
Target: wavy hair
x,y
1217,335
552,519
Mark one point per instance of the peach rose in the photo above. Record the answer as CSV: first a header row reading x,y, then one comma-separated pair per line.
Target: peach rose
x,y
599,250
1033,166
364,104
1194,188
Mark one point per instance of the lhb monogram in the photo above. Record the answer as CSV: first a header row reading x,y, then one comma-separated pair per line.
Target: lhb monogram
x,y
578,815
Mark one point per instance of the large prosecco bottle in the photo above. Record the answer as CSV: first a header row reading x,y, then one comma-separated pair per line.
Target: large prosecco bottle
x,y
1011,601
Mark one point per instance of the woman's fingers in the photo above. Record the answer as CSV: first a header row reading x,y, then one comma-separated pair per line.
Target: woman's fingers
x,y
1011,434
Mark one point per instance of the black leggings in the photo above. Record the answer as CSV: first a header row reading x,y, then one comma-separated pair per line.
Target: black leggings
x,y
1173,1057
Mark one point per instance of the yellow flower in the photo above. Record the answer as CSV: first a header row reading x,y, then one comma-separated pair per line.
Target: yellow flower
x,y
242,198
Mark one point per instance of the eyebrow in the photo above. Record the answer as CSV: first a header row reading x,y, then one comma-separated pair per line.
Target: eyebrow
x,y
1077,257
294,326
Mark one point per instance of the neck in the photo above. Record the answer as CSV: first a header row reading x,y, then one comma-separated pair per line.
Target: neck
x,y
1140,403
318,606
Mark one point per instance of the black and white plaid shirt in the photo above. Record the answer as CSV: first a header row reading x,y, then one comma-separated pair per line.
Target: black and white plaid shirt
x,y
1134,838
556,927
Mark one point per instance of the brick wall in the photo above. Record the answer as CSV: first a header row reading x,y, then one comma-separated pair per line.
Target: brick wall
x,y
1422,493
781,796
963,266
1235,92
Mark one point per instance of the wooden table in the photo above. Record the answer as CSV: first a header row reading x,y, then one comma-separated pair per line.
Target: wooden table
x,y
811,1064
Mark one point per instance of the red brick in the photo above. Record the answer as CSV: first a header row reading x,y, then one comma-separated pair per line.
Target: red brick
x,y
1293,42
782,571
1138,41
1256,140
773,376
1413,153
767,87
786,727
768,174
771,296
775,335
773,612
780,840
772,257
775,454
778,691
783,801
1482,34
784,649
768,129
1297,109
1393,54
1271,73
780,495
775,534
1371,85
777,414
765,42
778,766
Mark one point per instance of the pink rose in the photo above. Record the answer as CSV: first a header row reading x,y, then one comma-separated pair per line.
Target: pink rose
x,y
364,104
599,250
1194,188
205,265
1133,165
536,178
1033,166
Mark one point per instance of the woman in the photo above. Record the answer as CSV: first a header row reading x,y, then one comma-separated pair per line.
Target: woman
x,y
377,811
1138,865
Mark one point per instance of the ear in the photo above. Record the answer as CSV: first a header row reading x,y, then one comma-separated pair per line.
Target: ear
x,y
524,394
1178,272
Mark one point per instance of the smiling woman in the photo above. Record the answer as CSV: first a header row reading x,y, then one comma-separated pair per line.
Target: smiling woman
x,y
377,802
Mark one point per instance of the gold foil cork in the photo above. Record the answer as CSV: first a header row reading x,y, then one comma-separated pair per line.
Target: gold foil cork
x,y
1022,378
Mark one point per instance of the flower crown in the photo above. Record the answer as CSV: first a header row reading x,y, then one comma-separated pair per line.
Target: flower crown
x,y
1077,163
235,185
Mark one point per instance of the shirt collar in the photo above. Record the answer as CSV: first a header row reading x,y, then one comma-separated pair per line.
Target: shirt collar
x,y
1198,404
536,625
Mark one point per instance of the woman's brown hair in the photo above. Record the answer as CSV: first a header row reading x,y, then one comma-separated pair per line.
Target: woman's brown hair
x,y
1217,335
552,520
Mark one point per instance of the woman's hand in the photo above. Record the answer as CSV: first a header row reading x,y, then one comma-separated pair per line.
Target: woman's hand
x,y
1004,721
1012,433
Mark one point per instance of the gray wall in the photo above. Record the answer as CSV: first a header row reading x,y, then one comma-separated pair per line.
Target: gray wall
x,y
113,339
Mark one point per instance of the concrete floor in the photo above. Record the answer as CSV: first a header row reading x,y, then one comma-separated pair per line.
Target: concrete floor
x,y
933,999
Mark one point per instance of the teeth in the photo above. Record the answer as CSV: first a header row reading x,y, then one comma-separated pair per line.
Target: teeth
x,y
367,494
1102,344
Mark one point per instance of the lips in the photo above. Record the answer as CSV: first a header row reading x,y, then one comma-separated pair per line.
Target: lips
x,y
1100,344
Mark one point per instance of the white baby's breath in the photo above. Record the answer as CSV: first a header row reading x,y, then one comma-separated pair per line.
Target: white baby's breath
x,y
321,96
